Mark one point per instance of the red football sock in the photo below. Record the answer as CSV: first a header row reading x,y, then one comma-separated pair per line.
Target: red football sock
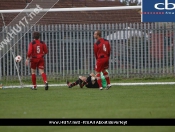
x,y
44,77
34,80
99,80
106,77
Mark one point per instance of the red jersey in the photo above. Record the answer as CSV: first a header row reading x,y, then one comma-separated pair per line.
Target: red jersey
x,y
102,48
37,49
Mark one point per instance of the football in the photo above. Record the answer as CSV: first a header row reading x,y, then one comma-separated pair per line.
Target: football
x,y
18,58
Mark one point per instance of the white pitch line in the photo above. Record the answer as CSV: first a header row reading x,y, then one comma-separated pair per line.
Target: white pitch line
x,y
146,83
117,84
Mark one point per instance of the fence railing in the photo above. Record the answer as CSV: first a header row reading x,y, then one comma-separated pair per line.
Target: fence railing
x,y
138,50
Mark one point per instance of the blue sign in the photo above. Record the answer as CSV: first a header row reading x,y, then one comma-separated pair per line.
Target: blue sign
x,y
158,10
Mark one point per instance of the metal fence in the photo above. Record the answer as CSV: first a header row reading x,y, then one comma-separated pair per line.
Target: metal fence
x,y
137,50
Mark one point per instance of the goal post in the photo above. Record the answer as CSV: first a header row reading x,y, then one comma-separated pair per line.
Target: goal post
x,y
74,9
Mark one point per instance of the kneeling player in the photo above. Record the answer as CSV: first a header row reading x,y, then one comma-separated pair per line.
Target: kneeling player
x,y
89,82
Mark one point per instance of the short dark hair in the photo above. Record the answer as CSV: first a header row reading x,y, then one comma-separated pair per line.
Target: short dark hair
x,y
36,35
98,33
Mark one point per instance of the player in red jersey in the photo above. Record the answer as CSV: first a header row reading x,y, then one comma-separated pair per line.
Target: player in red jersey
x,y
102,51
36,51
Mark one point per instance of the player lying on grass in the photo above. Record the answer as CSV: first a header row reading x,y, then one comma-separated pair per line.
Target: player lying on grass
x,y
89,82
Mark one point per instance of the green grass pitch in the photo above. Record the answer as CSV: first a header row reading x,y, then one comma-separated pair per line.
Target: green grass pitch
x,y
155,101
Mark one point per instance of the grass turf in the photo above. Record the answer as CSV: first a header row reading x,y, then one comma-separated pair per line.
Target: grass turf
x,y
14,82
156,101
